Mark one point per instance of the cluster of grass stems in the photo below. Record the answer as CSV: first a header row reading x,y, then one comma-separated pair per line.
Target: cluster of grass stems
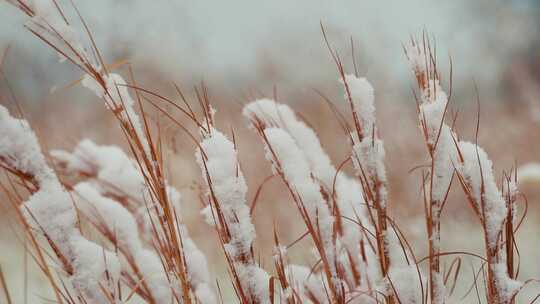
x,y
340,282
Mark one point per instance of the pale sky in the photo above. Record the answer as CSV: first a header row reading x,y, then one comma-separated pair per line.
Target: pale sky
x,y
237,44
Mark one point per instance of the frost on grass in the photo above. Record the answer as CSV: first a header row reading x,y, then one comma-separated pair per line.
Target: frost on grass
x,y
50,211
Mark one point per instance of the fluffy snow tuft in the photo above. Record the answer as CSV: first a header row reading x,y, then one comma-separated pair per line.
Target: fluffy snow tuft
x,y
406,284
227,189
477,171
50,210
110,174
20,148
363,101
228,186
508,287
117,98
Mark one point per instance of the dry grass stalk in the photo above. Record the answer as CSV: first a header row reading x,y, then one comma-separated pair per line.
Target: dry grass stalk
x,y
228,211
438,136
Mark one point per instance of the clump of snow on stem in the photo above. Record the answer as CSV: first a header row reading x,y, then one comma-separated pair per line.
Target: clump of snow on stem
x,y
357,227
281,115
405,283
507,286
404,279
348,192
476,170
227,189
115,174
50,210
119,222
111,174
288,160
106,161
47,20
439,139
307,284
109,168
417,58
368,149
363,101
19,146
218,160
114,92
92,263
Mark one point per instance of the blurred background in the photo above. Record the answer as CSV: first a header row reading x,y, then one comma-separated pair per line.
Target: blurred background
x,y
244,49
